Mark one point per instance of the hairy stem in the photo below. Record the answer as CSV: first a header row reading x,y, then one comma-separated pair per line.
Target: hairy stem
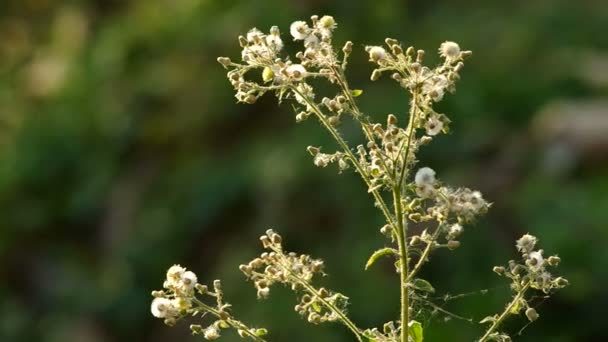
x,y
349,324
349,153
425,254
505,313
403,262
232,322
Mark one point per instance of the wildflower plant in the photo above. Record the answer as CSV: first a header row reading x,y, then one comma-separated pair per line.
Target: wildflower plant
x,y
388,166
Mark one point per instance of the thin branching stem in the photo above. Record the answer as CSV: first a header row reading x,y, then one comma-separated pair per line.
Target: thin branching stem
x,y
505,313
304,283
425,254
232,322
336,135
403,262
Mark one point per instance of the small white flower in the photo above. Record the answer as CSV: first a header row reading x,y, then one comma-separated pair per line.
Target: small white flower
x,y
536,261
449,50
424,176
211,333
162,308
433,126
296,71
526,243
299,30
377,54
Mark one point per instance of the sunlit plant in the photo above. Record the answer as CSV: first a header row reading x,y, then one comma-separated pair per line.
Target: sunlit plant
x,y
386,163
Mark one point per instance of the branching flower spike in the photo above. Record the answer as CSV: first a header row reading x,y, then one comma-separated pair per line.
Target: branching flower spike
x,y
403,191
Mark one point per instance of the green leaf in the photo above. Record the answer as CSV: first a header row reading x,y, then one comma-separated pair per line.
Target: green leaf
x,y
356,92
377,254
423,285
489,319
415,331
316,306
261,332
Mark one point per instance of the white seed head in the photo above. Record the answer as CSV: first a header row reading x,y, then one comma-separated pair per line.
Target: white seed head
x,y
299,30
433,126
526,243
536,261
275,42
211,333
296,71
162,308
189,280
174,274
425,175
254,36
449,50
377,54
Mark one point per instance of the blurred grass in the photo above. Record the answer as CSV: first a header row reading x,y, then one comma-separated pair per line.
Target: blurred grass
x,y
122,152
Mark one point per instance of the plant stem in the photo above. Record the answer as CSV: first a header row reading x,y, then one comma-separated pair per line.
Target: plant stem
x,y
349,324
403,262
232,322
344,146
425,254
505,313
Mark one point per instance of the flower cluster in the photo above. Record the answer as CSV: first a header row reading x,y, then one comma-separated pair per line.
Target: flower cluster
x,y
297,271
172,303
530,273
179,299
385,162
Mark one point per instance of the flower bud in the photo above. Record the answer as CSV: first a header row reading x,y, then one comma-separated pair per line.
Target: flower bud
x,y
334,120
375,75
348,47
158,294
323,292
419,56
453,244
554,260
531,314
312,150
243,41
225,61
415,67
499,270
391,119
196,328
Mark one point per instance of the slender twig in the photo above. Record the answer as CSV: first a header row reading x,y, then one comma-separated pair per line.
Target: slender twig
x,y
232,322
425,254
403,262
349,153
505,313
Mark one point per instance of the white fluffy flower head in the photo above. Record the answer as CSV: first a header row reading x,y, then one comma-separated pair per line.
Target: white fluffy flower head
x,y
424,176
174,274
299,30
449,50
433,126
162,308
296,71
376,53
536,261
526,243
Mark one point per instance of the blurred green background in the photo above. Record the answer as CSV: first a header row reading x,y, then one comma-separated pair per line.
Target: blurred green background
x,y
122,151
